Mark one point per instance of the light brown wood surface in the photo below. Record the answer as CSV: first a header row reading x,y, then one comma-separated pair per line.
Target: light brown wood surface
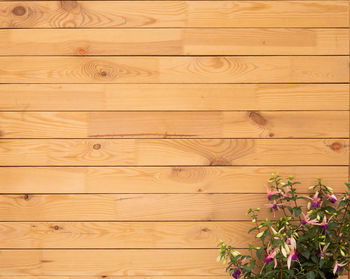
x,y
211,69
116,277
174,41
250,124
134,135
107,262
160,97
173,152
130,277
107,14
123,234
208,179
131,207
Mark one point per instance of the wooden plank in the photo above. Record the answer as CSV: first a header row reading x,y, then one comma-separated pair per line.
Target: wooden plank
x,y
161,179
127,235
174,41
239,69
130,207
117,277
251,124
174,97
176,152
130,277
108,262
112,14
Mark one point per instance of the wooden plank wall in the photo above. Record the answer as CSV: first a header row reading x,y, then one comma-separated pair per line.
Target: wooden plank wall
x,y
135,134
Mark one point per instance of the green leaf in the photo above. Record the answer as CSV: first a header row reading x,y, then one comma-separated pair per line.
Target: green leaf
x,y
322,274
259,253
331,209
297,211
306,254
252,229
310,275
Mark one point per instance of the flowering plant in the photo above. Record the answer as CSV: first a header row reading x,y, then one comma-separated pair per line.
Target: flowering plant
x,y
310,240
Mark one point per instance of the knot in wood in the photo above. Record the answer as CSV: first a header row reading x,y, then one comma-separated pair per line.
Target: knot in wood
x,y
81,51
96,146
69,5
19,11
336,146
257,118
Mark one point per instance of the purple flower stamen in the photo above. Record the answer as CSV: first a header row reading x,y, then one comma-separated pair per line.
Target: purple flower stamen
x,y
237,274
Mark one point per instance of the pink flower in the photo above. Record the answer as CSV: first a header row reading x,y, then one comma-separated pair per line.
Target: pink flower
x,y
271,254
315,200
332,198
292,256
308,221
292,242
270,193
337,267
323,251
324,223
285,193
273,206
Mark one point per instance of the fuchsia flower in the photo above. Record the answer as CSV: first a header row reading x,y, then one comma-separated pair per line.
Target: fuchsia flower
x,y
332,198
292,255
274,206
308,221
271,254
323,251
286,192
270,193
324,223
337,267
315,200
238,272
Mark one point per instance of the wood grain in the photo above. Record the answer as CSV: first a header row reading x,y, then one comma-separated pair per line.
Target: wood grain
x,y
223,69
130,207
175,152
251,124
123,234
118,277
108,262
174,97
174,42
112,14
161,180
129,277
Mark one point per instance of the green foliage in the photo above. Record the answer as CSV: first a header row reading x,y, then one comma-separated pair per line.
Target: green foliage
x,y
306,242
